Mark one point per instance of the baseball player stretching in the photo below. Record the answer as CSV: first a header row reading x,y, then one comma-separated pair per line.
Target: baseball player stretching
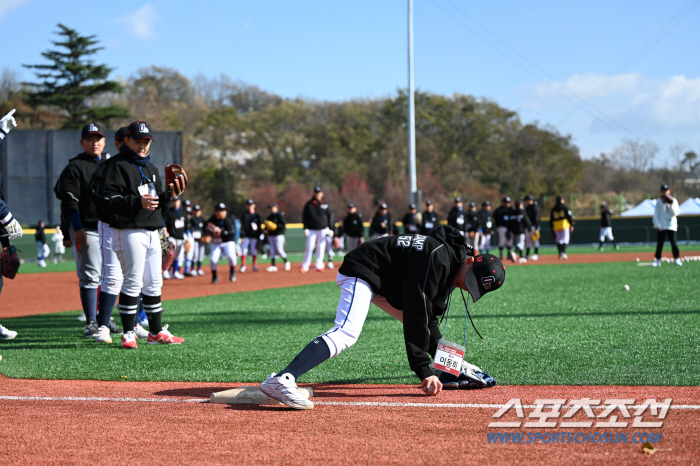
x,y
409,277
74,190
250,224
10,227
315,221
132,189
196,227
532,234
561,224
221,229
275,226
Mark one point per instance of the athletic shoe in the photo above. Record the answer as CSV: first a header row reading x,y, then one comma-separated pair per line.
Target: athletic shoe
x,y
113,329
103,335
81,317
192,273
232,275
287,266
129,340
7,334
330,265
255,268
303,270
200,272
140,332
143,322
564,257
321,269
242,269
166,275
215,280
41,264
90,329
164,338
271,268
283,388
178,275
534,257
678,262
656,263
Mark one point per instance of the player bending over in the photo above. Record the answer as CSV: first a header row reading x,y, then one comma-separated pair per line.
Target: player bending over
x,y
409,277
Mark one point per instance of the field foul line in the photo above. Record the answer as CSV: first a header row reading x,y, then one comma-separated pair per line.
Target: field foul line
x,y
321,403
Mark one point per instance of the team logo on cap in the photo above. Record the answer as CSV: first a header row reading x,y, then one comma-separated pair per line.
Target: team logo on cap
x,y
143,128
92,127
486,281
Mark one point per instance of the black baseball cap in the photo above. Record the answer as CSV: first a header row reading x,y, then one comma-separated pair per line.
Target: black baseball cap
x,y
428,202
351,205
486,203
220,206
506,199
317,189
560,198
458,199
472,204
120,134
197,207
272,204
383,206
139,130
486,274
249,202
528,198
411,206
188,202
89,130
188,209
664,187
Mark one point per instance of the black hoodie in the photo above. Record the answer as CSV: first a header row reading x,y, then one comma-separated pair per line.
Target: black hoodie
x,y
74,191
415,274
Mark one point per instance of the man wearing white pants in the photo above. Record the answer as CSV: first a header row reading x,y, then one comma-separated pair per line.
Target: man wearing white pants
x,y
315,219
606,226
221,229
410,278
275,226
251,227
561,223
501,217
198,249
132,190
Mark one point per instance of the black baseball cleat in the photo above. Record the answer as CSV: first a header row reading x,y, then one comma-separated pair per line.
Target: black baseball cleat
x,y
90,329
232,275
113,329
469,378
214,277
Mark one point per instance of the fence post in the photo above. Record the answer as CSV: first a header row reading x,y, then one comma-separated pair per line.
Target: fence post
x,y
596,205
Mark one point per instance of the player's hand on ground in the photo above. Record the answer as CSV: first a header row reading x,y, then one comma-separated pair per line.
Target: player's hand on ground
x,y
80,237
431,386
149,202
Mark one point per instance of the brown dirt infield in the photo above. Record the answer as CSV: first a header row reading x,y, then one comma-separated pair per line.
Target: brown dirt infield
x,y
178,432
42,293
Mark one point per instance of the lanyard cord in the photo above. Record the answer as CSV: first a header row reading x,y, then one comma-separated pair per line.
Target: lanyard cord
x,y
143,177
466,306
447,313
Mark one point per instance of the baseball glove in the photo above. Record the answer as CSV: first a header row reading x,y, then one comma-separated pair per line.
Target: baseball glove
x,y
536,235
470,377
175,179
9,263
206,239
167,249
213,231
270,225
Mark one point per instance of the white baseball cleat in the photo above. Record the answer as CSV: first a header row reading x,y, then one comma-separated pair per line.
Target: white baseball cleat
x,y
287,266
103,335
534,257
141,333
166,275
6,333
178,275
283,388
242,269
656,263
330,265
678,262
272,268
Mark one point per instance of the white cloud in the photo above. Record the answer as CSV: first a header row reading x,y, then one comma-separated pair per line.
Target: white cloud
x,y
141,22
6,6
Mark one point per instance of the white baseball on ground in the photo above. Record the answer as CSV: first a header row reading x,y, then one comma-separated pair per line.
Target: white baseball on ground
x,y
637,259
626,287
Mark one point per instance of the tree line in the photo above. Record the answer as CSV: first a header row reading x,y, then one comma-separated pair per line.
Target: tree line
x,y
242,142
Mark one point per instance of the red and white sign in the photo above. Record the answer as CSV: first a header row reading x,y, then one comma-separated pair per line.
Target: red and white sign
x,y
448,357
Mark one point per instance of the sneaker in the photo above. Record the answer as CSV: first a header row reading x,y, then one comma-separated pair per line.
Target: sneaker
x,y
287,266
129,340
330,265
232,275
200,272
90,329
166,275
320,269
192,273
534,257
303,270
678,262
656,263
103,335
283,388
140,332
178,275
7,334
143,323
255,268
242,269
564,257
41,264
215,280
164,337
81,317
272,268
113,329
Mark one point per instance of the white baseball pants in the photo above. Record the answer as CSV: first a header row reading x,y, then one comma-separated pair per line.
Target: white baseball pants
x,y
141,259
606,232
199,251
503,237
249,244
485,242
277,246
228,249
112,277
88,260
562,236
520,241
315,239
528,238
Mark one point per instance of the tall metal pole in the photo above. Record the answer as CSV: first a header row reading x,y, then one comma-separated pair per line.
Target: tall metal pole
x,y
413,197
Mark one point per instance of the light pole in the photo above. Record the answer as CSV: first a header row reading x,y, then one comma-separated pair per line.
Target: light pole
x,y
413,194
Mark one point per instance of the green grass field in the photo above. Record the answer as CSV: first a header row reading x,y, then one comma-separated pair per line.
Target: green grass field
x,y
559,324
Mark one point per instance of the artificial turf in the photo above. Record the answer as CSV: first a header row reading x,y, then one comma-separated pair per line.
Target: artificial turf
x,y
568,324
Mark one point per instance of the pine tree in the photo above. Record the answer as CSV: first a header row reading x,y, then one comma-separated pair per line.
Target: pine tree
x,y
71,81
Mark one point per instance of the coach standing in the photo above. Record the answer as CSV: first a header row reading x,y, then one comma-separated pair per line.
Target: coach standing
x,y
73,189
430,220
353,227
666,224
315,219
533,213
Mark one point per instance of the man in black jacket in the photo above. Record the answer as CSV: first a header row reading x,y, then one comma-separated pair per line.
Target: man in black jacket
x,y
501,217
408,276
532,209
473,227
411,220
315,219
456,218
518,225
486,227
197,228
220,228
73,189
132,190
606,226
275,226
353,227
251,228
175,220
430,220
382,223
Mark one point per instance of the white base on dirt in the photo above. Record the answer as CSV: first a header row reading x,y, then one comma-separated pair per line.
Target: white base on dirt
x,y
250,396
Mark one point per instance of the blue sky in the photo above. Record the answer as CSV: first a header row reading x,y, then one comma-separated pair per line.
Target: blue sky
x,y
599,71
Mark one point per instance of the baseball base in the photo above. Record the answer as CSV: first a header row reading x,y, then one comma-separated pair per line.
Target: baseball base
x,y
250,396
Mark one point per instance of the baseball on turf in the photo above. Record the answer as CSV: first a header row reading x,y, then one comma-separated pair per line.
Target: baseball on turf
x,y
637,259
626,287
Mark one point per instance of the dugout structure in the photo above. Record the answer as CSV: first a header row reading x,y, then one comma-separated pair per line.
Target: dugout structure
x,y
32,160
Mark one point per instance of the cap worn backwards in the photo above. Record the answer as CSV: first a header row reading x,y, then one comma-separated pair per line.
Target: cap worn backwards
x,y
486,274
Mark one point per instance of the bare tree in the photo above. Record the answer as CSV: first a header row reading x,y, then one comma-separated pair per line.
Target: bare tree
x,y
9,83
635,155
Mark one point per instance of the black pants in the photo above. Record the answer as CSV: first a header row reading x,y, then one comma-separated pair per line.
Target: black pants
x,y
661,237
